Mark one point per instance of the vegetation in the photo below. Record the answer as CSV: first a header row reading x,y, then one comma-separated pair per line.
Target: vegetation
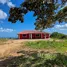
x,y
42,58
36,59
3,40
46,11
58,46
58,35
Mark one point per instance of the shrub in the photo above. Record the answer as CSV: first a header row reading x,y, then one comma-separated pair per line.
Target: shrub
x,y
58,35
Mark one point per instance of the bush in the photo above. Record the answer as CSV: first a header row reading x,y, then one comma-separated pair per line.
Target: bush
x,y
58,35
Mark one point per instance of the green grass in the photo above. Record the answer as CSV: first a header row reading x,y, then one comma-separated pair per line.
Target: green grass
x,y
36,59
60,46
40,59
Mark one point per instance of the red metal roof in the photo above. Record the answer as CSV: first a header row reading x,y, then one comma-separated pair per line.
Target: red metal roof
x,y
27,32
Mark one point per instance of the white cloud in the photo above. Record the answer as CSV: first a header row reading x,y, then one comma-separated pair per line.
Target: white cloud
x,y
8,2
6,30
61,27
3,1
3,15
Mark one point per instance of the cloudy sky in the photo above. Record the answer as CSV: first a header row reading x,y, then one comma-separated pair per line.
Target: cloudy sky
x,y
7,29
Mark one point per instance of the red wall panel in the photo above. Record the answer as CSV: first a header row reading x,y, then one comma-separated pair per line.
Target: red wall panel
x,y
43,36
33,36
36,37
25,37
20,36
47,36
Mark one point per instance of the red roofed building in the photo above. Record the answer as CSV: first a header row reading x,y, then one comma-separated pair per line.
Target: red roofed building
x,y
33,35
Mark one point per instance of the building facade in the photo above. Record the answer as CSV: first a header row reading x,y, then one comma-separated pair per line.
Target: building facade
x,y
33,35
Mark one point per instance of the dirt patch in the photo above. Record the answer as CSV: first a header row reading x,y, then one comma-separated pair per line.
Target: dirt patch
x,y
11,47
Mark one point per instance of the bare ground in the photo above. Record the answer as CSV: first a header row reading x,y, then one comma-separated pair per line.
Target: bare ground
x,y
11,47
14,48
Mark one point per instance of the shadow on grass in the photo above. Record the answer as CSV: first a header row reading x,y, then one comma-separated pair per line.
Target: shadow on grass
x,y
36,59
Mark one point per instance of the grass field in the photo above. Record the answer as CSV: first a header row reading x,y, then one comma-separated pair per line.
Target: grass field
x,y
59,46
32,53
3,40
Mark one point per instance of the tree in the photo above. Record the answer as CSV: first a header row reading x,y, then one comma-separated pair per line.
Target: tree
x,y
46,11
58,35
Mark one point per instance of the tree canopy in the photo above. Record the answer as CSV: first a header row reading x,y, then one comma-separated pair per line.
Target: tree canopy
x,y
46,11
58,35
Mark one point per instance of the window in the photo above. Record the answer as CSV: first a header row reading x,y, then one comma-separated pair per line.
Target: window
x,y
24,35
37,35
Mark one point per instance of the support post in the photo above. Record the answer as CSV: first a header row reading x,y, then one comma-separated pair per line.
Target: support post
x,y
30,35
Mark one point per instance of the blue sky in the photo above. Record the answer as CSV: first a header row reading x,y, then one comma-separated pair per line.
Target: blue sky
x,y
7,29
